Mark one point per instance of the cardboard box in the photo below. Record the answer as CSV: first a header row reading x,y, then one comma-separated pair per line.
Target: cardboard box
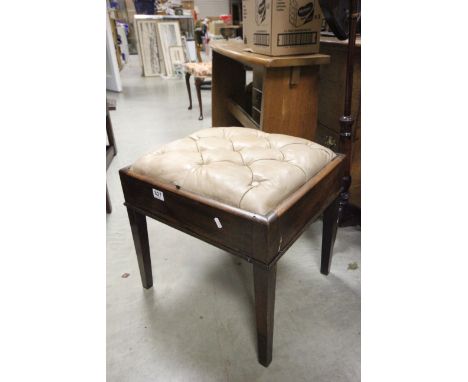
x,y
282,27
188,4
216,26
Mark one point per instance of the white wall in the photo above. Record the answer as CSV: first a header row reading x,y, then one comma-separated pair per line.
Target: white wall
x,y
212,7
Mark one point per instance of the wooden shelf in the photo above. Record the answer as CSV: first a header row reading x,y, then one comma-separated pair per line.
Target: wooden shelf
x,y
241,115
332,40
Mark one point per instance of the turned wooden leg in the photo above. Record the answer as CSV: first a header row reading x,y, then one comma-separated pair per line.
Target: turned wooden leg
x,y
198,84
265,286
187,82
330,225
108,202
140,239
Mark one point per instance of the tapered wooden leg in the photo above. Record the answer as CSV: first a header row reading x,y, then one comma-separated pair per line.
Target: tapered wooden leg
x,y
330,225
265,286
187,82
108,202
198,84
140,239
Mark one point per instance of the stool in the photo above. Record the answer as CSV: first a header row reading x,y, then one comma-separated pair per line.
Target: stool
x,y
201,71
242,190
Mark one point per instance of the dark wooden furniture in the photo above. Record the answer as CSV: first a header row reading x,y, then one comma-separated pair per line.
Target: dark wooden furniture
x,y
111,148
260,239
284,94
201,83
332,95
235,7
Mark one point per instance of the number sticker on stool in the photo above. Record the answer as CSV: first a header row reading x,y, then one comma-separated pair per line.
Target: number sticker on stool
x,y
158,194
218,223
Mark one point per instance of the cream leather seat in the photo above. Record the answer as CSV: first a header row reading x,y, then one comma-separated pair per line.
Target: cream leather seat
x,y
245,168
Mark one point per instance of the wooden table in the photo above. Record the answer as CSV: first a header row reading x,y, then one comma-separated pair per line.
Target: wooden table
x,y
284,95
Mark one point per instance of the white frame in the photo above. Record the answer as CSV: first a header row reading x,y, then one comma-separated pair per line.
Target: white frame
x,y
168,51
113,81
151,66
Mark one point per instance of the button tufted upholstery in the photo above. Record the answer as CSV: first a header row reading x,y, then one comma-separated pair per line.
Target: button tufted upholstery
x,y
242,167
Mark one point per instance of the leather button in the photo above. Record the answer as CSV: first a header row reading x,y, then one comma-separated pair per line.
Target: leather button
x,y
255,183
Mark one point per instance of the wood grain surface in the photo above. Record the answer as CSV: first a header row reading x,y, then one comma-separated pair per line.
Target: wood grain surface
x,y
237,51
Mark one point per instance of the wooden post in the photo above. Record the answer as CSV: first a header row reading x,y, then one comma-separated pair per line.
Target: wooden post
x,y
347,120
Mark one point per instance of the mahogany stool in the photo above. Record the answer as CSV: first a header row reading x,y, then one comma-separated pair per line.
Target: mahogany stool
x,y
245,191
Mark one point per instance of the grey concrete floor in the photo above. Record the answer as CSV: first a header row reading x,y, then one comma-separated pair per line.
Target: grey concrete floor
x,y
197,323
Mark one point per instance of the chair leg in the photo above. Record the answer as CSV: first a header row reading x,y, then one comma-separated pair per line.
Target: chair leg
x,y
108,202
140,239
198,84
330,226
187,82
110,133
265,286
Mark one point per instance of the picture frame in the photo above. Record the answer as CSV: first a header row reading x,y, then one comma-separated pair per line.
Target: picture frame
x,y
149,48
170,44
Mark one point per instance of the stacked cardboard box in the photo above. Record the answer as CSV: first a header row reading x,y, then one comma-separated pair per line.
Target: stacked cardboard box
x,y
215,27
188,4
130,10
282,27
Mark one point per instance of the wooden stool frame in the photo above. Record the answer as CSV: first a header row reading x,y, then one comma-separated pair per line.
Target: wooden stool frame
x,y
261,240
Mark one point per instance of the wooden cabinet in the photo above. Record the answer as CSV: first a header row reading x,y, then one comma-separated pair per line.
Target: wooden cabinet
x,y
331,105
284,92
289,95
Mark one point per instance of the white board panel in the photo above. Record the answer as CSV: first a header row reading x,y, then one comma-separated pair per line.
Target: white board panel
x,y
148,48
170,44
113,81
212,7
